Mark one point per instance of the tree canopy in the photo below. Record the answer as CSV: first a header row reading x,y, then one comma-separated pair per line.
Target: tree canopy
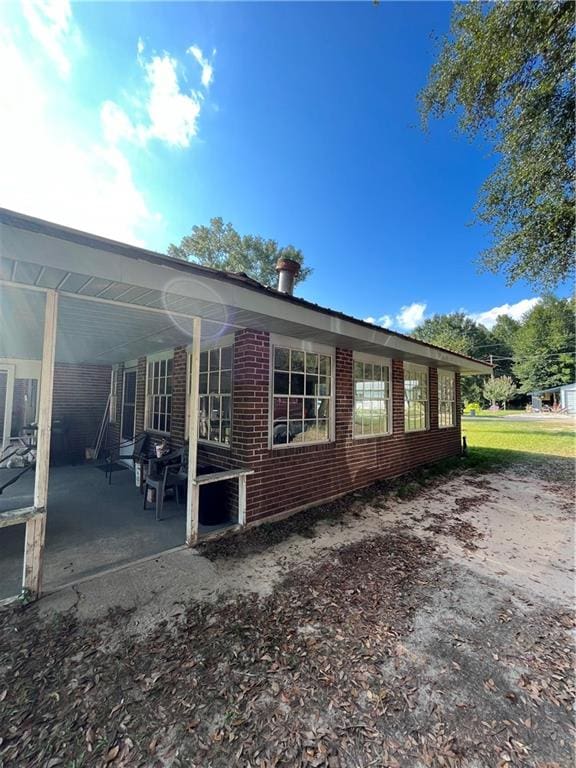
x,y
535,352
500,390
544,345
220,246
458,333
507,70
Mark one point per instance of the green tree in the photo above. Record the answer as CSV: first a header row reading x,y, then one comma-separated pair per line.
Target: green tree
x,y
221,247
500,390
459,333
507,69
544,345
502,350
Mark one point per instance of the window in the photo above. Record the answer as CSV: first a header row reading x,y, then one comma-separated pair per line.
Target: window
x,y
446,398
159,393
215,389
301,396
415,397
24,402
372,408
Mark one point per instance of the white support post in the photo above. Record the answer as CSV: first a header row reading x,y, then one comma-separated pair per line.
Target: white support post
x,y
242,500
36,526
193,497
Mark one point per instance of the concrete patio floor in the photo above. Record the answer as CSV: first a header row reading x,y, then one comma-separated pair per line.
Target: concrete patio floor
x,y
91,526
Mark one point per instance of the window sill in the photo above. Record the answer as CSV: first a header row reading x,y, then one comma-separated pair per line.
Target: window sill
x,y
367,437
309,444
214,444
416,431
447,426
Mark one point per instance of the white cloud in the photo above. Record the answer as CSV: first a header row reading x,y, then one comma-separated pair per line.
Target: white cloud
x,y
410,316
173,114
116,124
407,319
52,174
207,68
58,161
515,311
50,23
58,170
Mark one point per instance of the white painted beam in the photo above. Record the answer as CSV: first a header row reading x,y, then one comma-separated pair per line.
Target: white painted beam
x,y
36,526
193,496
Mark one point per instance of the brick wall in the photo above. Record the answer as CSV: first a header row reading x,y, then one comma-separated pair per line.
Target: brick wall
x,y
80,396
290,478
293,477
178,417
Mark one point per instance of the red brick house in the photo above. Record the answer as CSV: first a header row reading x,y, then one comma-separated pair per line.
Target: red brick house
x,y
304,402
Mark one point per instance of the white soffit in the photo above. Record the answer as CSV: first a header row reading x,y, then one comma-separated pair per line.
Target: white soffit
x,y
46,261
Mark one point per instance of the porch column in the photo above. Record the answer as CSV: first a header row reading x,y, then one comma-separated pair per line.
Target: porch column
x,y
193,497
36,526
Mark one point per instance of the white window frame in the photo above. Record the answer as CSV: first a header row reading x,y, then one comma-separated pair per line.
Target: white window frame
x,y
385,362
166,355
301,346
134,370
15,368
422,369
452,376
113,410
224,341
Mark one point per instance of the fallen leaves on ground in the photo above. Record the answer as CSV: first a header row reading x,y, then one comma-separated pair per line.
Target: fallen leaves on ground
x,y
320,674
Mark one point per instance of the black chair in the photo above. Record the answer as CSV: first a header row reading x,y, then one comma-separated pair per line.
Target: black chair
x,y
112,457
165,474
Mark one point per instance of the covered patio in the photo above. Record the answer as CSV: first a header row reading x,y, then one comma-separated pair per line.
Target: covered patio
x,y
91,526
58,315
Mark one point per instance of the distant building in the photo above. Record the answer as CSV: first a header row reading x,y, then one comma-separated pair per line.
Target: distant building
x,y
564,396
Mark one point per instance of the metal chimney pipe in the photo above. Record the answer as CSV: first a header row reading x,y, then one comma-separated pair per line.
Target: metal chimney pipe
x,y
287,270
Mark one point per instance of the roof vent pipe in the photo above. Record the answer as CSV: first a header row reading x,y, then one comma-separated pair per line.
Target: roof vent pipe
x,y
287,271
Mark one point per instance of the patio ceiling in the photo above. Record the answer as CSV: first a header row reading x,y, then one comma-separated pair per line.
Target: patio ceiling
x,y
90,331
118,302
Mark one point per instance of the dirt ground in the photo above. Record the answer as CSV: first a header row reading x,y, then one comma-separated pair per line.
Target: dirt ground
x,y
433,630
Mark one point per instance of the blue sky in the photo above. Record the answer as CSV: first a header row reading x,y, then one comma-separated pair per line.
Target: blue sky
x,y
296,121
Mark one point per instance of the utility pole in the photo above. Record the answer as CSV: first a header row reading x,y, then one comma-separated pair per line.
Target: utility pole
x,y
492,375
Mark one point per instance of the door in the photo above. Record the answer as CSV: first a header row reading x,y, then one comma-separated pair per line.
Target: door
x,y
128,412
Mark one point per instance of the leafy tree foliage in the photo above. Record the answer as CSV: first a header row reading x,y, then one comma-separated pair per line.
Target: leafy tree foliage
x,y
503,334
500,390
456,332
460,334
507,70
220,246
544,345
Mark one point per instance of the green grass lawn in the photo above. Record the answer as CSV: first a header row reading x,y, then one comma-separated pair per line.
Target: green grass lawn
x,y
552,438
